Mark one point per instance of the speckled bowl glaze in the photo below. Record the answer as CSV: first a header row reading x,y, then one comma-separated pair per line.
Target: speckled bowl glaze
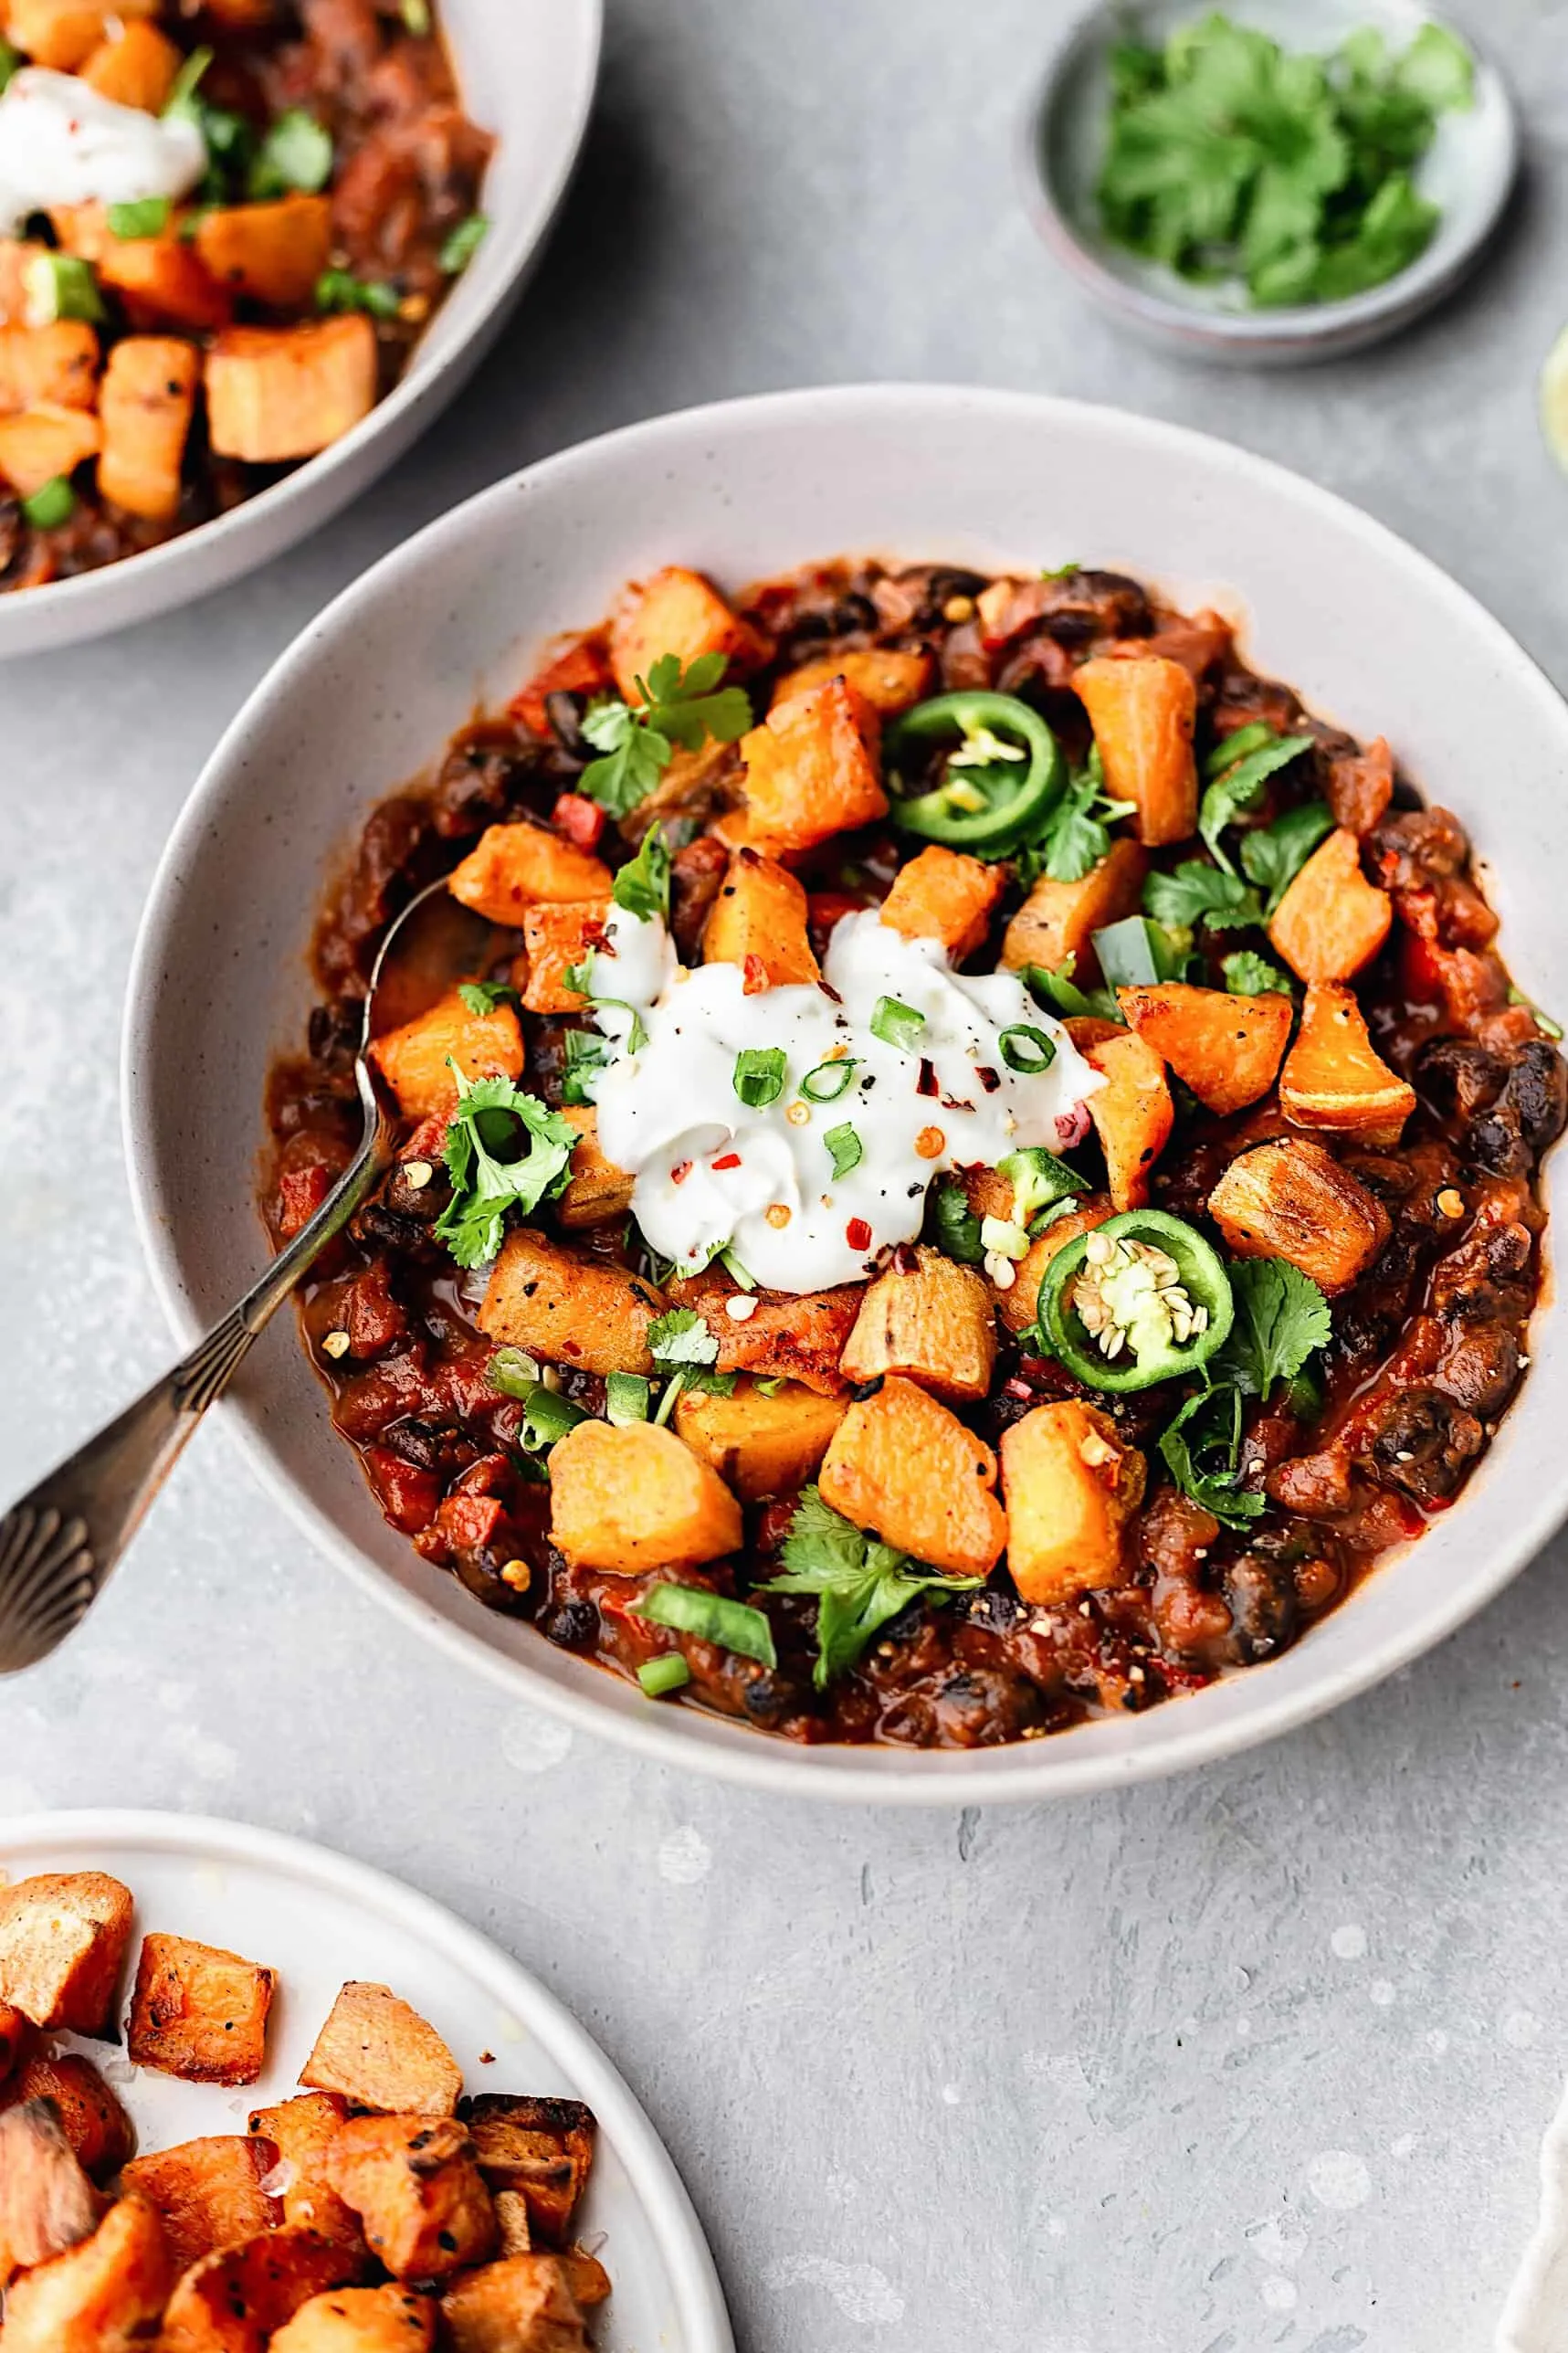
x,y
1372,634
528,69
1470,174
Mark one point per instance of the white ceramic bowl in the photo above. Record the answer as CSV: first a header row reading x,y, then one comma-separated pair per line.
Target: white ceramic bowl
x,y
1370,632
527,69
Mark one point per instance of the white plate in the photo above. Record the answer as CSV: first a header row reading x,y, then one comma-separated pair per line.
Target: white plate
x,y
318,1919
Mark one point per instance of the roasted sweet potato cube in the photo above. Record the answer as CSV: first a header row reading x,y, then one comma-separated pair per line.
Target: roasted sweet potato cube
x,y
1058,920
543,2148
17,255
890,678
103,2295
1132,1113
568,1310
1331,920
638,1498
598,1192
1142,708
759,922
39,444
759,1445
586,2276
514,867
13,2039
524,2305
44,367
137,69
199,2013
271,253
46,2202
677,612
275,392
302,2130
163,282
1334,1078
942,895
812,770
1225,1048
208,2193
1071,1485
63,33
91,2119
377,2052
414,2184
800,1338
415,1060
360,2320
555,938
62,1939
904,1465
146,404
1019,1305
933,1324
233,2301
1294,1200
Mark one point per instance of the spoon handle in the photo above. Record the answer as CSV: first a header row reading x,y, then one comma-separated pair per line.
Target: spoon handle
x,y
58,1543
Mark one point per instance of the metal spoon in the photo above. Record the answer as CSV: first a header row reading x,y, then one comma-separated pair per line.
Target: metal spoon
x,y
58,1543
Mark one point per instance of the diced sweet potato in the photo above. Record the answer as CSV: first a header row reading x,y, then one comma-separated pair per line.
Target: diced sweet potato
x,y
275,392
48,367
759,922
586,2276
46,2202
942,895
1294,1200
271,253
577,665
759,1445
555,939
513,867
568,1310
416,1060
414,2184
541,2147
890,678
904,1465
1334,1078
638,1498
38,444
302,2130
1331,920
199,2013
234,2300
1071,1486
62,1939
91,2117
794,1339
63,33
81,229
1019,1305
13,2039
148,398
677,612
933,1325
163,282
598,1192
103,2295
360,2320
137,69
1227,1048
812,770
1132,1113
17,255
1058,920
524,2305
376,2052
208,2193
1142,707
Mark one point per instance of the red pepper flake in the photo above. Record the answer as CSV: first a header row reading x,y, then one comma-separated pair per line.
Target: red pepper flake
x,y
726,1160
926,1083
680,1172
989,1079
756,976
857,1234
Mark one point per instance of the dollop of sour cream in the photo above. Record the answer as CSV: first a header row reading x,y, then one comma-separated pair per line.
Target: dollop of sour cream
x,y
712,1173
62,143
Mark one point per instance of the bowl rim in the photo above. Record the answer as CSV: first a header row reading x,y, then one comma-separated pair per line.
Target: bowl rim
x,y
1304,328
62,612
1179,1738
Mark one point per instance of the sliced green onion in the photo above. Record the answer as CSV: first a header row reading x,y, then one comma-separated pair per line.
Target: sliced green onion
x,y
340,289
10,59
895,1024
770,1384
669,1673
548,1418
295,156
827,1082
1236,747
636,1038
52,505
184,88
733,1625
672,1389
60,286
845,1148
1026,1048
737,1274
145,216
514,1373
760,1075
629,1398
463,244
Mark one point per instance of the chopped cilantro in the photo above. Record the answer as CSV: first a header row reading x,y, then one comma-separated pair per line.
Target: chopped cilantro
x,y
1076,835
463,244
585,1056
295,156
638,742
1201,1451
1281,1319
1196,893
340,289
482,996
1240,785
861,1582
504,1150
1273,855
642,886
1249,975
682,1346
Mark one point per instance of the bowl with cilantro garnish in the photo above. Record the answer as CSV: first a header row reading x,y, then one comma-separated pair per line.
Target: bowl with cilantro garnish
x,y
1288,180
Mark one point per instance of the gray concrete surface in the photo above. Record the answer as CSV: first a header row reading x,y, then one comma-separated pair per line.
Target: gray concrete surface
x,y
1257,2057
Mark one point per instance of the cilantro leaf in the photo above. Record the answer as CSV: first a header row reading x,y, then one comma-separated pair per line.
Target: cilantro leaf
x,y
586,1055
1196,893
1240,786
1281,1319
504,1150
1076,834
639,741
1249,975
1201,1451
861,1582
642,885
682,1346
1273,855
482,996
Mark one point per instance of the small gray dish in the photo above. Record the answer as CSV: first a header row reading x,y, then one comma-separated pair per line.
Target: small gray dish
x,y
1468,173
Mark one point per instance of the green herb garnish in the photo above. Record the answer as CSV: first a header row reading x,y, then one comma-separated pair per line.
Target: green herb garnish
x,y
340,289
732,1625
1201,1451
683,1347
861,1582
1076,835
828,1081
896,1024
51,505
956,1227
1281,1319
637,741
294,156
1059,989
1196,893
627,1398
482,996
759,1075
845,1148
145,217
669,1672
1026,1048
584,1057
463,244
504,1150
1249,975
1239,786
1273,855
642,886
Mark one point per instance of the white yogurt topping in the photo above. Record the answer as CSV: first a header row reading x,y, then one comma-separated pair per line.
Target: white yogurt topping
x,y
711,1173
62,143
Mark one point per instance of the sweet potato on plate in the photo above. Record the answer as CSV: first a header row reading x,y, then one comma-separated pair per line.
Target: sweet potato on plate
x,y
199,2013
676,612
759,1445
46,2202
302,2130
36,445
52,367
1331,920
62,1939
1142,708
569,1310
890,678
904,1466
638,1498
933,1324
146,404
543,2148
1071,1484
1058,920
759,922
555,938
1335,1079
415,1060
163,282
598,1192
414,2184
376,2052
1225,1048
272,253
943,895
63,33
360,2320
800,1338
1132,1113
208,2193
103,2295
512,868
812,770
234,2300
1294,1200
91,2117
137,67
524,2305
275,393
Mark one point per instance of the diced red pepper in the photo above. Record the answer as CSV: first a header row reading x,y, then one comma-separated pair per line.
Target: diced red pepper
x,y
407,1495
374,1320
300,1193
756,976
470,1521
580,667
579,819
